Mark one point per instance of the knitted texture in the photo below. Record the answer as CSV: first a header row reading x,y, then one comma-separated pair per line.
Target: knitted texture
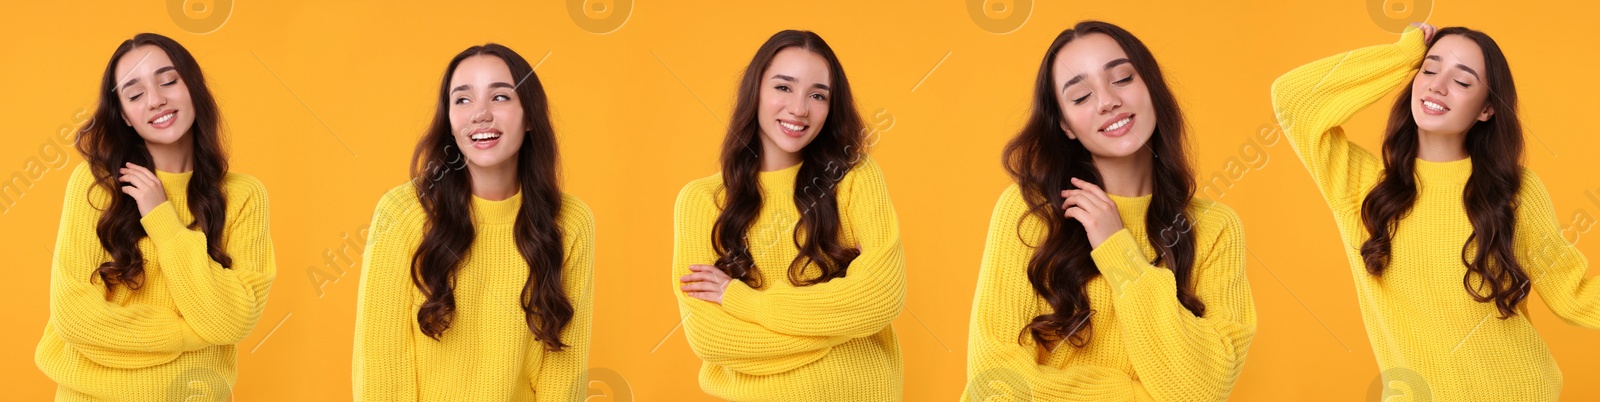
x,y
179,328
1144,346
488,353
826,342
1426,330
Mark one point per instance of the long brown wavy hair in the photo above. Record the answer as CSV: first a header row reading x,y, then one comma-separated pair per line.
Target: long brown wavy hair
x,y
444,188
106,145
1042,160
836,148
1490,196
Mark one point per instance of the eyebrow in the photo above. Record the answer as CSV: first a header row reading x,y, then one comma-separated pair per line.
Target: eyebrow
x,y
819,85
1462,67
1109,65
464,87
130,83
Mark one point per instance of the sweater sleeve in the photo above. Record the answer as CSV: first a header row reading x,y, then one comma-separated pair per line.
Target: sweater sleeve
x,y
384,366
561,377
1313,100
716,336
1000,357
1181,356
862,302
221,303
121,336
1555,267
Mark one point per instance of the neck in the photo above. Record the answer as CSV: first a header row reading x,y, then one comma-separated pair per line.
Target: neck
x,y
177,157
1128,176
774,158
1440,147
494,183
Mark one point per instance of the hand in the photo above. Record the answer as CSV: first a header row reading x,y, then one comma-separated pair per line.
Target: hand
x,y
1094,209
1427,31
145,188
705,282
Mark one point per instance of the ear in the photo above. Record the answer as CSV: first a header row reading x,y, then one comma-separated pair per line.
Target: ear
x,y
1488,111
1067,130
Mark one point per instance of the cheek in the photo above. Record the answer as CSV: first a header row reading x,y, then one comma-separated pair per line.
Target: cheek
x,y
511,117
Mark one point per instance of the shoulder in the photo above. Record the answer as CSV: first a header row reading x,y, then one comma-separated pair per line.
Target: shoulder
x,y
1213,222
575,216
700,193
240,187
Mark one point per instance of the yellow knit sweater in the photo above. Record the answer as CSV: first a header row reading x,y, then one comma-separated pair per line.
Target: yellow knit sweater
x,y
488,353
825,342
1144,346
1426,330
175,335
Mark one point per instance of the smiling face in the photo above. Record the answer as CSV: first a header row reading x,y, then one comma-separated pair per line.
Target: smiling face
x,y
794,102
486,116
155,101
1449,94
1104,102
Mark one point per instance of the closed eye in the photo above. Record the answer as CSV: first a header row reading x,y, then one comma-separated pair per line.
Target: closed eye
x,y
1463,84
1128,79
1080,100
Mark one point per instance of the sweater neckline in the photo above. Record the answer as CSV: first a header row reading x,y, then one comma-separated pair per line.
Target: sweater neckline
x,y
1457,171
491,212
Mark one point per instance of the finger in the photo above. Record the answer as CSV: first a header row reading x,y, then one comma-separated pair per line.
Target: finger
x,y
1092,189
147,175
1085,200
132,175
701,287
1080,215
695,277
699,267
128,190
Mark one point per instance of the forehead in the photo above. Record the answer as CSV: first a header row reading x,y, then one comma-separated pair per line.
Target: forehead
x,y
800,63
1453,49
1087,55
481,68
139,62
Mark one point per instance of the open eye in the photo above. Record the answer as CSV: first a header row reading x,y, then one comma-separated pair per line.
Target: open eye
x,y
781,87
819,96
462,101
501,97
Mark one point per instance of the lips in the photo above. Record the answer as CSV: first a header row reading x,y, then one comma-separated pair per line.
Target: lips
x,y
163,119
1433,106
1118,125
791,128
484,138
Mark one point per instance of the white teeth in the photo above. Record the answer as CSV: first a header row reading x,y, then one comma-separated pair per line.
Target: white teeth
x,y
1433,106
164,118
1118,124
484,136
791,127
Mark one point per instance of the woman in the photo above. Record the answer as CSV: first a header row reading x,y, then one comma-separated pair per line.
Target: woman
x,y
164,257
477,277
1103,277
762,250
1448,205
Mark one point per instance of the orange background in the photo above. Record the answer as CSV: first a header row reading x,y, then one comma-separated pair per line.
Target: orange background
x,y
324,101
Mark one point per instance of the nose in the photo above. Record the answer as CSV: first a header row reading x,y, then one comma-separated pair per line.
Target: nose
x,y
482,115
154,100
800,108
1437,86
1109,100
